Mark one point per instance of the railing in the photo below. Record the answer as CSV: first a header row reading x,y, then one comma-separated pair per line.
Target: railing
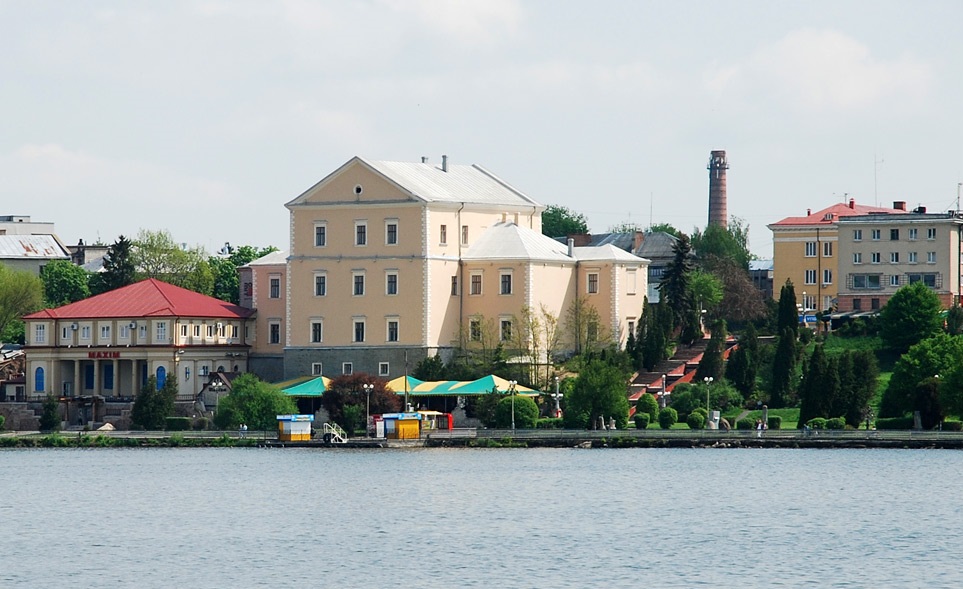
x,y
332,433
706,434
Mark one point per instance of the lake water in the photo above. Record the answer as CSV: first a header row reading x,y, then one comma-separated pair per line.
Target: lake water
x,y
219,518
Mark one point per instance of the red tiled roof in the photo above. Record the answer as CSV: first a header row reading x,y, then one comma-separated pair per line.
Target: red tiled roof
x,y
837,210
147,298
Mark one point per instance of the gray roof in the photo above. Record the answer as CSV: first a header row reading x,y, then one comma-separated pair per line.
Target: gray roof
x,y
34,247
657,244
760,265
461,183
271,259
508,241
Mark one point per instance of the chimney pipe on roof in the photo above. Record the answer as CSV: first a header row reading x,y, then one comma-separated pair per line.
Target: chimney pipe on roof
x,y
444,163
852,203
571,247
424,159
809,212
899,205
515,219
504,217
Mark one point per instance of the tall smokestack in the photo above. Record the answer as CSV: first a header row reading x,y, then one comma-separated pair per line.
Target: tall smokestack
x,y
718,164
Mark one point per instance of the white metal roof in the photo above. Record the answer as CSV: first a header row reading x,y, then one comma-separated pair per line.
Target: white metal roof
x,y
35,247
607,252
508,241
273,258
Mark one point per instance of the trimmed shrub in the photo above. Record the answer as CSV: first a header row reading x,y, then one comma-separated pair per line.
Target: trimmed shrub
x,y
894,423
817,423
696,420
668,417
775,422
952,426
836,423
2,421
549,423
641,420
746,423
201,423
526,413
177,424
648,405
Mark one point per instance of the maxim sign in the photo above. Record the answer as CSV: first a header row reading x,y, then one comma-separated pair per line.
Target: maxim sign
x,y
98,355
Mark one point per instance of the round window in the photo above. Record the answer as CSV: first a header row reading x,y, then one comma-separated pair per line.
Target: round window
x,y
358,189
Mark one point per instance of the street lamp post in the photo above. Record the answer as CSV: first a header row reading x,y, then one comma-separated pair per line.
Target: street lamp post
x,y
708,380
663,391
511,391
557,396
367,405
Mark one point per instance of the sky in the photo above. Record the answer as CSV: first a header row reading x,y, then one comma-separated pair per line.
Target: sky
x,y
204,118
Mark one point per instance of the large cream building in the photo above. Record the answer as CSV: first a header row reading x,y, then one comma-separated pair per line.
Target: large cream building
x,y
805,251
390,262
880,254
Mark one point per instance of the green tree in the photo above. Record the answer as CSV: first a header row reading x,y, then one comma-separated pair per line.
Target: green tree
x,y
712,364
674,289
21,293
940,354
648,404
787,314
783,370
599,391
724,243
820,386
744,363
525,409
954,320
910,316
559,221
664,228
254,403
64,282
153,406
706,291
50,414
224,270
119,269
430,368
349,389
156,255
927,402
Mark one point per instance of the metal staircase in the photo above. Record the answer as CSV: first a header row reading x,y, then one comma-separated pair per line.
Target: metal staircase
x,y
333,434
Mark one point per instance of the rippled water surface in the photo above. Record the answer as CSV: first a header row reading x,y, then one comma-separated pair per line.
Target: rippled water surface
x,y
219,518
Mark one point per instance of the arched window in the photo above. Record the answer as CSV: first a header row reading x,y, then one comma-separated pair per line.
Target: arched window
x,y
38,380
161,377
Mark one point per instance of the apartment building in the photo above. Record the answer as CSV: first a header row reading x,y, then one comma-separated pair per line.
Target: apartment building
x,y
880,253
390,262
805,251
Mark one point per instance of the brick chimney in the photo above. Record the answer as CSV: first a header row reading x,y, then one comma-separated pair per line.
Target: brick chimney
x,y
718,164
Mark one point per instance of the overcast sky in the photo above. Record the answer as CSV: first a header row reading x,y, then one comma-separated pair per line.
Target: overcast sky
x,y
204,118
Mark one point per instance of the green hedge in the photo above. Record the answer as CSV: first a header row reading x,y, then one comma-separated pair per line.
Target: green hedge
x,y
549,423
746,423
641,420
836,423
177,424
894,423
952,426
668,417
696,420
775,422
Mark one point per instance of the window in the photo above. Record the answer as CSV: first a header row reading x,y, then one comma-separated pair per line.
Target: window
x,y
827,276
275,287
274,333
930,257
391,286
858,258
320,285
464,234
857,304
630,282
808,302
927,279
631,326
857,235
197,331
359,331
317,331
384,369
161,331
358,284
391,233
210,331
392,330
874,257
39,335
911,233
347,368
85,332
320,235
874,304
204,369
894,280
827,249
316,368
810,277
506,283
443,235
931,233
894,257
38,378
105,331
911,257
454,286
810,249
476,284
593,282
876,234
124,331
234,331
361,233
474,330
861,281
894,234
506,329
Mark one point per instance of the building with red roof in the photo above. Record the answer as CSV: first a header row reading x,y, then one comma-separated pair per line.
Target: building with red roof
x,y
805,251
106,346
